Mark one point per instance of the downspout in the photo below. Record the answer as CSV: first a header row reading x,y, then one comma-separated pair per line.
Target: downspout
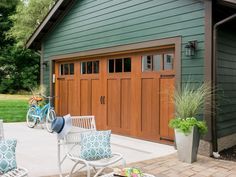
x,y
214,129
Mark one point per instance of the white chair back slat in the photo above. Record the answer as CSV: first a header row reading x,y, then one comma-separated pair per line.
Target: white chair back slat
x,y
86,122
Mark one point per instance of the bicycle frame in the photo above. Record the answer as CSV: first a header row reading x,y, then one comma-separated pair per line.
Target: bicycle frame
x,y
41,113
37,114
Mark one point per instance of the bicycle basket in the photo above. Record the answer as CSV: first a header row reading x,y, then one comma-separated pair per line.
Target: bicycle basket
x,y
34,100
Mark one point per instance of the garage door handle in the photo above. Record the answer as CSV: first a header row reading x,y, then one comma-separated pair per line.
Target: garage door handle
x,y
103,100
100,99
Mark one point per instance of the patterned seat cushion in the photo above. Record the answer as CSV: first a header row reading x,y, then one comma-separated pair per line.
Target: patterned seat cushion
x,y
95,145
7,155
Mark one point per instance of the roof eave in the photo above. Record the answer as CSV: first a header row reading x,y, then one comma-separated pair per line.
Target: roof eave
x,y
229,3
33,38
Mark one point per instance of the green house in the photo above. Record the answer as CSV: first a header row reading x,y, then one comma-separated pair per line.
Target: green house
x,y
120,60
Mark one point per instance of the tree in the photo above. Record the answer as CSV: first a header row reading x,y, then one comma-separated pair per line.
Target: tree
x,y
27,17
8,3
19,67
7,8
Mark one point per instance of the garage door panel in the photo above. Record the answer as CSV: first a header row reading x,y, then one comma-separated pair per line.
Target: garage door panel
x,y
84,97
149,124
147,111
113,103
155,108
125,103
166,106
62,97
72,105
96,103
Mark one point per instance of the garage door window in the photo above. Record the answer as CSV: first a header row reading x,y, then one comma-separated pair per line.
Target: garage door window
x,y
158,62
119,65
89,67
168,61
67,69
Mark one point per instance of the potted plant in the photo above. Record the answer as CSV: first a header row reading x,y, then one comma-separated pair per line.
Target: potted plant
x,y
189,103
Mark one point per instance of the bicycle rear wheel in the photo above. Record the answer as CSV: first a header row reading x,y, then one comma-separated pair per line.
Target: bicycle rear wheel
x,y
51,115
30,119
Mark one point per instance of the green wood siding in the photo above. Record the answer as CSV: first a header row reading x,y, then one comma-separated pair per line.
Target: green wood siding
x,y
94,24
226,80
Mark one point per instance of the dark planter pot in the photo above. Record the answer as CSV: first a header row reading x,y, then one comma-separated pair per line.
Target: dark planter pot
x,y
187,145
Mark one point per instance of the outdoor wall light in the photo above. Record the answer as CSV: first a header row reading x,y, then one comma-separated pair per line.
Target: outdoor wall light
x,y
190,48
45,64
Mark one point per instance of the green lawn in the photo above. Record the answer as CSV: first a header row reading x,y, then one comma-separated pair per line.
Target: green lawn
x,y
13,108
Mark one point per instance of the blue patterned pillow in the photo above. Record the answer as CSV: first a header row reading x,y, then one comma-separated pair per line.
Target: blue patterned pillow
x,y
7,155
95,145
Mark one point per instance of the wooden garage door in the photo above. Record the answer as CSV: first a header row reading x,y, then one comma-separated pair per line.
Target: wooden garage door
x,y
139,89
156,86
79,92
130,94
66,86
91,90
118,90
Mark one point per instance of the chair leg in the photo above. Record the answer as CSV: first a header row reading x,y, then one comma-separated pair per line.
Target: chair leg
x,y
71,172
75,165
88,170
59,158
95,169
98,172
123,163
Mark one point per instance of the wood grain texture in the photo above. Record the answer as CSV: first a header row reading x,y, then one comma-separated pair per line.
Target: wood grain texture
x,y
113,103
166,106
85,94
128,103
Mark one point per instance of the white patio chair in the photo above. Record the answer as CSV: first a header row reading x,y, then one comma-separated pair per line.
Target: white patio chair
x,y
71,144
17,172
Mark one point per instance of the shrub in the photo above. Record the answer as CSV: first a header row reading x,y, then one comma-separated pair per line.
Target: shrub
x,y
185,125
189,102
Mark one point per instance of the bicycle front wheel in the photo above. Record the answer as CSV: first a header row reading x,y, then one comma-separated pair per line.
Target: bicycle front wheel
x,y
30,117
51,115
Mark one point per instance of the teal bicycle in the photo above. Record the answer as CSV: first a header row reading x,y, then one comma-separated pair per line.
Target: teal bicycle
x,y
36,114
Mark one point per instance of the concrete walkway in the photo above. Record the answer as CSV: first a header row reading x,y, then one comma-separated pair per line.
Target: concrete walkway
x,y
37,149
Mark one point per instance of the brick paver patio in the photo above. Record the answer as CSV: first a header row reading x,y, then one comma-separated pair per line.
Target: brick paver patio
x,y
170,166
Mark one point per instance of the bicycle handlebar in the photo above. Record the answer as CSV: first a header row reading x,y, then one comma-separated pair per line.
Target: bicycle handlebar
x,y
48,97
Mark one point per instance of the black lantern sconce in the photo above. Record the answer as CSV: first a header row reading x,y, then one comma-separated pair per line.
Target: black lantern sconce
x,y
190,48
45,64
